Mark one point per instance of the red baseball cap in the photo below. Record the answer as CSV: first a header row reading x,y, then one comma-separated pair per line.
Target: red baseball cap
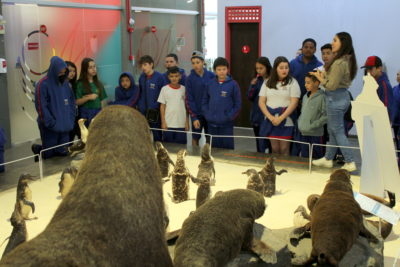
x,y
372,61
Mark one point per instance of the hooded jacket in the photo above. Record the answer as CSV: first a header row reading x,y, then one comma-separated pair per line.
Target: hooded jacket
x,y
196,85
396,97
298,69
256,115
54,99
313,114
385,93
127,97
221,102
150,88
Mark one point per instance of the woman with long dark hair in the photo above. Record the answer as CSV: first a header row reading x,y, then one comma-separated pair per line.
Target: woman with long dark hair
x,y
89,91
337,79
262,71
278,99
72,77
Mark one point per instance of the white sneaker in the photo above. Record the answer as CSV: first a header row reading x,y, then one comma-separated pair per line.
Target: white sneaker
x,y
349,166
323,162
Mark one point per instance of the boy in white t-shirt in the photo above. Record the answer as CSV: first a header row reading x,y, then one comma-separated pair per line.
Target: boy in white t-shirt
x,y
172,109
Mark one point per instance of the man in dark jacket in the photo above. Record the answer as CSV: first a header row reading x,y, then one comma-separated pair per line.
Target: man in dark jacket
x,y
55,105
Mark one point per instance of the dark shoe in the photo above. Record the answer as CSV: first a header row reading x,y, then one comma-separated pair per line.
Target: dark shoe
x,y
36,150
340,159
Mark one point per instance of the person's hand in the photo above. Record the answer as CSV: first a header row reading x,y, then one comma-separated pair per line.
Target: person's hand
x,y
196,124
91,96
186,126
277,120
164,125
253,81
318,74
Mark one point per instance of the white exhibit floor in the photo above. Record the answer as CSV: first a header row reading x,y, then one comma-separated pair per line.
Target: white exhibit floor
x,y
293,188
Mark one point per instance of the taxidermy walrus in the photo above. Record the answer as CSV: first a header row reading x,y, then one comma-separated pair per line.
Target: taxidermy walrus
x,y
113,215
336,221
216,232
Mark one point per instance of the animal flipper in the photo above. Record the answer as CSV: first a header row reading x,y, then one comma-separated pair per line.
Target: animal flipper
x,y
171,237
170,161
31,204
392,199
4,241
194,179
265,252
280,172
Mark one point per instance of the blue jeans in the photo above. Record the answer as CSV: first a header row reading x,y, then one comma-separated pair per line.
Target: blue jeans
x,y
337,103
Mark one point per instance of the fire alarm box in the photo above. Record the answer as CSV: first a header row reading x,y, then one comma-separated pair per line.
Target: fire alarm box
x,y
3,65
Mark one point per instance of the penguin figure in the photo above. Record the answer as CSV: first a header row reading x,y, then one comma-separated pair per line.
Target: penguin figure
x,y
83,129
206,166
203,190
76,147
163,159
180,178
255,182
67,180
24,205
19,233
268,175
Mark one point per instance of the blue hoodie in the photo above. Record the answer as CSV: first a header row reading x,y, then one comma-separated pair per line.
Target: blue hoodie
x,y
396,97
54,100
127,97
195,86
385,93
298,69
222,102
3,139
150,88
256,115
182,80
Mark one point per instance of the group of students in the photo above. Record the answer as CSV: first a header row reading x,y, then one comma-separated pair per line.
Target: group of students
x,y
291,100
308,101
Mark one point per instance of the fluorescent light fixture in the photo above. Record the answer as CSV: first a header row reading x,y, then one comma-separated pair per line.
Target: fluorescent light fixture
x,y
164,10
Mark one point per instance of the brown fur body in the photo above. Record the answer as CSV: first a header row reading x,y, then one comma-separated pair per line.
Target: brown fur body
x,y
206,166
67,180
163,159
268,175
113,215
336,221
180,178
254,182
215,233
19,233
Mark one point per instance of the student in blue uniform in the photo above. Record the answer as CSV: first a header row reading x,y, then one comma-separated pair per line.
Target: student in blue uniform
x,y
304,63
150,84
373,65
126,93
263,70
196,84
55,105
396,118
221,105
171,60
